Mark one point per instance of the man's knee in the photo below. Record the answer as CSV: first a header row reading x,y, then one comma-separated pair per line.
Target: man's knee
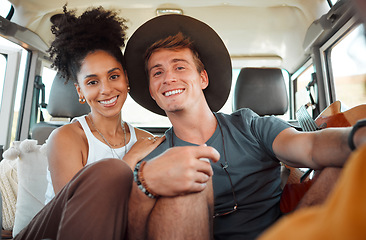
x,y
322,186
187,204
183,217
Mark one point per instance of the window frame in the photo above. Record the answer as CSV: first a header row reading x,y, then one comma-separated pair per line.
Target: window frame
x,y
10,83
325,53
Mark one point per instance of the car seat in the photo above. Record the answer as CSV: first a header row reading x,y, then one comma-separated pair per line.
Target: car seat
x,y
263,90
63,103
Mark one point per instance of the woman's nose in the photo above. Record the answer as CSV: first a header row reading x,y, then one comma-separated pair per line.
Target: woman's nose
x,y
105,87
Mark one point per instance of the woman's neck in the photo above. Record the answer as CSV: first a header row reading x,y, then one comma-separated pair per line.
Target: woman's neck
x,y
110,126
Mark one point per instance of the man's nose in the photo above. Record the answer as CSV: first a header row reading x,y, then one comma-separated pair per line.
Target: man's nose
x,y
169,77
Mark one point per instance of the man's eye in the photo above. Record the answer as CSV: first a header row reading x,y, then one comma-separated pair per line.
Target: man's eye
x,y
180,68
157,73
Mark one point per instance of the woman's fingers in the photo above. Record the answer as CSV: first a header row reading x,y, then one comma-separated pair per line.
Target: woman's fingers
x,y
142,148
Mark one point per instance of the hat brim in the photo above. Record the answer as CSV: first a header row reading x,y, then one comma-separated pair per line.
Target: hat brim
x,y
208,44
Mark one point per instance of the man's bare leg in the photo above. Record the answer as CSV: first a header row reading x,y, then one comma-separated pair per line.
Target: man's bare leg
x,y
139,209
183,217
321,188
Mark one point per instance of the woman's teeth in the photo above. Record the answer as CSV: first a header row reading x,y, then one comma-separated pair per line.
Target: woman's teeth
x,y
109,101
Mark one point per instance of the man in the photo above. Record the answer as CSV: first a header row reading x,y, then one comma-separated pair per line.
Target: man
x,y
184,61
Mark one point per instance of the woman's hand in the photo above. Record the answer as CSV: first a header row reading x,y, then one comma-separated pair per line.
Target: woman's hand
x,y
141,149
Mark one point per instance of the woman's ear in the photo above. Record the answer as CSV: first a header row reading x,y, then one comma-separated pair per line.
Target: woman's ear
x,y
78,89
204,79
127,83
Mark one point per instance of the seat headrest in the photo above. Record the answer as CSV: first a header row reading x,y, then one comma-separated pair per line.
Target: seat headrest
x,y
64,100
263,90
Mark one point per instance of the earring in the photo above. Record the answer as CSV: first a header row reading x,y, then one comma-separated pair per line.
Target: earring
x,y
128,89
82,100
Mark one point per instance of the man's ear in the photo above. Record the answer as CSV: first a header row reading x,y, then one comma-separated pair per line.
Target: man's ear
x,y
204,79
151,93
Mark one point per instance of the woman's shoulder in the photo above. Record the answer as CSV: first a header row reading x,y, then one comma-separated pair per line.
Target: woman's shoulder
x,y
70,132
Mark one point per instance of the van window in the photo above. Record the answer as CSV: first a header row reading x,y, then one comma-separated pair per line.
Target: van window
x,y
349,68
5,8
302,95
333,2
138,116
19,92
2,75
12,78
228,106
48,76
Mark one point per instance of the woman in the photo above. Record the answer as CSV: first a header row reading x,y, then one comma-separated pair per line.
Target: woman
x,y
87,50
91,199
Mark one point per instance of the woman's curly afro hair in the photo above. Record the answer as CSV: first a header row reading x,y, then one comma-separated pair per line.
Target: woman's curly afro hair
x,y
76,37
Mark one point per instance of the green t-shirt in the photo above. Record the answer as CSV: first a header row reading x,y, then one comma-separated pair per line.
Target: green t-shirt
x,y
253,168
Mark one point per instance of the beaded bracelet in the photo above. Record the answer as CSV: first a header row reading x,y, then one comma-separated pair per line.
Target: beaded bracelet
x,y
138,177
359,124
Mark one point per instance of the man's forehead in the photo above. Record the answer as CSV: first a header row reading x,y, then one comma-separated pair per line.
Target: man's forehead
x,y
171,55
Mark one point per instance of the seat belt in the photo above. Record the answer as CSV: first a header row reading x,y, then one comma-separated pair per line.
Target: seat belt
x,y
313,104
40,89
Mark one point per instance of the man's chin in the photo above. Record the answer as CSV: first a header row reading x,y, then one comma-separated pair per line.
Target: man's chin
x,y
174,110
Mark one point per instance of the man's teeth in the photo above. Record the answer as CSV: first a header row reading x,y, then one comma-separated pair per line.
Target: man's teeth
x,y
109,101
167,94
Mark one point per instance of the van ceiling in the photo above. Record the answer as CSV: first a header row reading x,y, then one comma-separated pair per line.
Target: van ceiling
x,y
257,33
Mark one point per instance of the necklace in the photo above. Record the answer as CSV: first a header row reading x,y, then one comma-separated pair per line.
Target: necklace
x,y
113,151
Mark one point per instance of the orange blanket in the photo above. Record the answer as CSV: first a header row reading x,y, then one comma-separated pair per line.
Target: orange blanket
x,y
342,216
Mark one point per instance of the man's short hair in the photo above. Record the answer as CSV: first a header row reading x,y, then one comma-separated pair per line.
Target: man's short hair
x,y
176,42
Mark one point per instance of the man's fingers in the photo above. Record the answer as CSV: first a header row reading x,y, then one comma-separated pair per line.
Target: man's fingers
x,y
202,177
204,167
205,160
198,187
207,152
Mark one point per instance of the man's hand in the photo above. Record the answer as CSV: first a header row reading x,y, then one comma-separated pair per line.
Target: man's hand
x,y
180,170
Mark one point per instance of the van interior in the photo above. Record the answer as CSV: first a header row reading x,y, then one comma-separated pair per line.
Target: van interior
x,y
285,55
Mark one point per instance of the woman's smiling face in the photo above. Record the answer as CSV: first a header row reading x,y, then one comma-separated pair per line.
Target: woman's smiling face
x,y
103,83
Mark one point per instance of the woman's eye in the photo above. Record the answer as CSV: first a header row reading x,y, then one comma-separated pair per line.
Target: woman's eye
x,y
180,68
93,82
113,77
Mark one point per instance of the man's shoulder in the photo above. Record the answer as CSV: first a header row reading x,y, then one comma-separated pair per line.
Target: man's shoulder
x,y
239,117
243,113
161,148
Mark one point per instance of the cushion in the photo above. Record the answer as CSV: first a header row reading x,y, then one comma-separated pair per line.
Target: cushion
x,y
32,181
9,191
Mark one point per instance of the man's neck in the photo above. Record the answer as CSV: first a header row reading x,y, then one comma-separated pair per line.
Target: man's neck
x,y
194,126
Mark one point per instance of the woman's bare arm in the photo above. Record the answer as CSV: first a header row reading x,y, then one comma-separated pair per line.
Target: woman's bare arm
x,y
66,153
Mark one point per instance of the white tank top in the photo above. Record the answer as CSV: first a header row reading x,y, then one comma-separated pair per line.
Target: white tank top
x,y
97,151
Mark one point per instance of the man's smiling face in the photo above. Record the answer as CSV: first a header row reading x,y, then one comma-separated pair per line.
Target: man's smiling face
x,y
174,80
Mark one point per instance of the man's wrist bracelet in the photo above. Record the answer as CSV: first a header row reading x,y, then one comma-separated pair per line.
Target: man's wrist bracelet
x,y
359,124
138,177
